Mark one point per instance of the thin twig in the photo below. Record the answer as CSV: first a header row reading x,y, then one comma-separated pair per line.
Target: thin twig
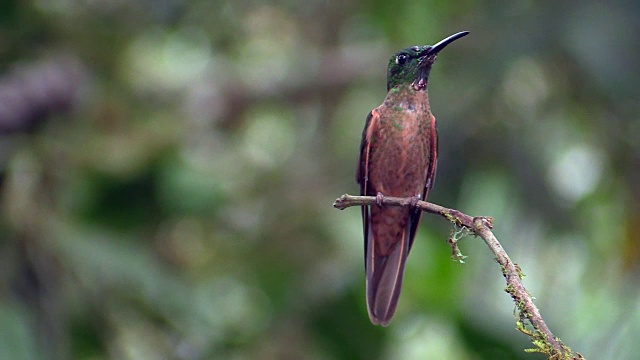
x,y
541,336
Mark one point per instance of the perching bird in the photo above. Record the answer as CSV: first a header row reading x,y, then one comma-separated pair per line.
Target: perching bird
x,y
398,157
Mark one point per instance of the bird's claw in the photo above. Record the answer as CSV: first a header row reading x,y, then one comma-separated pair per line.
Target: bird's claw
x,y
414,201
379,199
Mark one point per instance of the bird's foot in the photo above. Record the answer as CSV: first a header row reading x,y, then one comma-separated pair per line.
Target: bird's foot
x,y
414,202
379,199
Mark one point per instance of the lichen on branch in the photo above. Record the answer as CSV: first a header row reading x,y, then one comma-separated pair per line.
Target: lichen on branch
x,y
541,337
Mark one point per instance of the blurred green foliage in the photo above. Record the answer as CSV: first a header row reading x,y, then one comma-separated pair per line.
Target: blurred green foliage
x,y
168,169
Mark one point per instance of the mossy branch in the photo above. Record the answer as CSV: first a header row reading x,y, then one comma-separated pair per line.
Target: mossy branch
x,y
542,338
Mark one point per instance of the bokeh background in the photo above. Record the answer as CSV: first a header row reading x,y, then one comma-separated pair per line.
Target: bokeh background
x,y
168,169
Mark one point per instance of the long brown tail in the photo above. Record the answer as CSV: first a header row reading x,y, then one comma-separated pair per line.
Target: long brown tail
x,y
385,271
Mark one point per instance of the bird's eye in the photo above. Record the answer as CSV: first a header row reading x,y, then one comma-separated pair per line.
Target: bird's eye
x,y
401,59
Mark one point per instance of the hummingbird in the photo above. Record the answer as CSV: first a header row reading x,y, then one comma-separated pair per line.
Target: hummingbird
x,y
398,156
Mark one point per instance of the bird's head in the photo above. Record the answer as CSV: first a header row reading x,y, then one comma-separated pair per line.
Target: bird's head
x,y
412,65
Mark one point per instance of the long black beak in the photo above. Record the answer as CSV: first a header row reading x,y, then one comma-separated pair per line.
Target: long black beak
x,y
443,43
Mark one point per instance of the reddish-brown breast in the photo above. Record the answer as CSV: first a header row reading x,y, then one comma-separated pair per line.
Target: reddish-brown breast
x,y
399,159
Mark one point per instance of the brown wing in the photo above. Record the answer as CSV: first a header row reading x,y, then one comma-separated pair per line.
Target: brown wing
x,y
429,179
365,144
362,174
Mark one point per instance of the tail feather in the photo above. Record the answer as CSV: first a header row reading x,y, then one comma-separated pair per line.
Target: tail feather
x,y
384,276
